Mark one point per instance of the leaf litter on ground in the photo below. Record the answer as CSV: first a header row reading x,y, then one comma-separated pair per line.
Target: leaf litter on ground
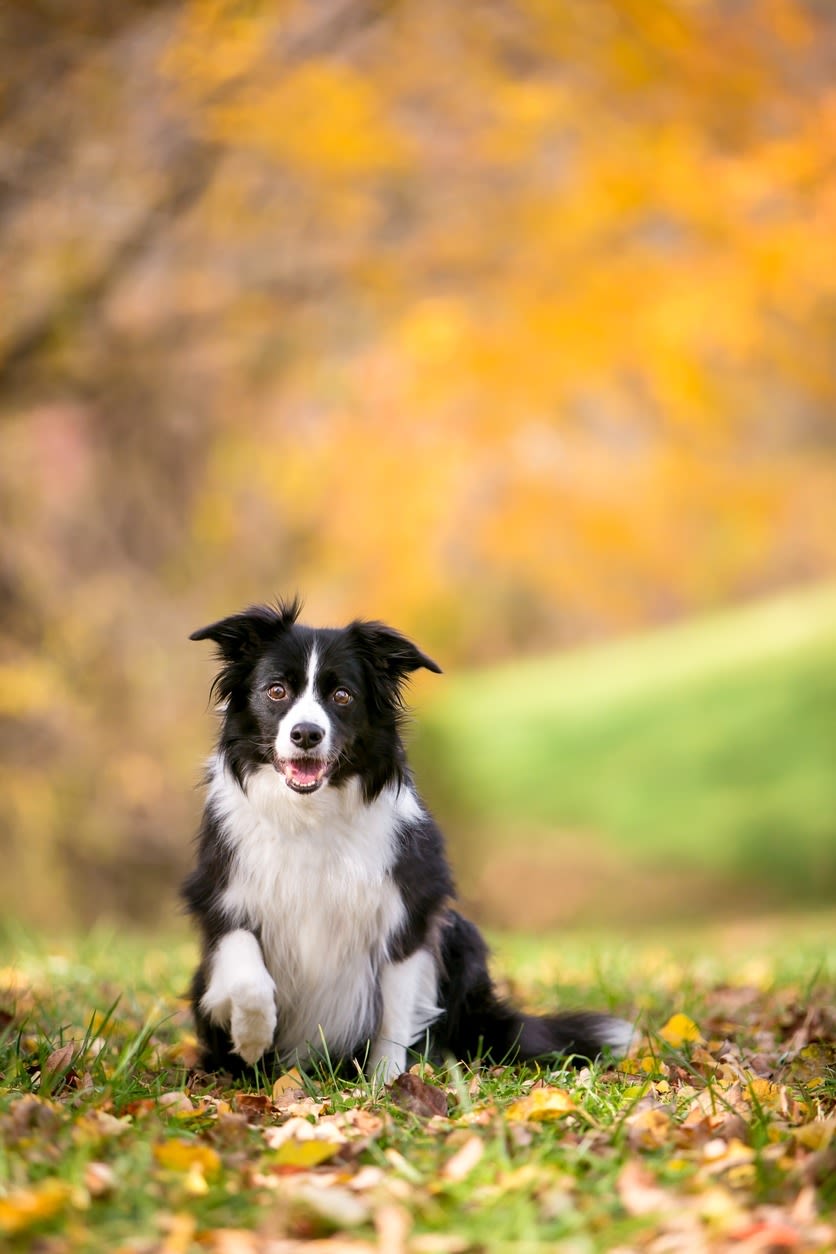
x,y
718,1132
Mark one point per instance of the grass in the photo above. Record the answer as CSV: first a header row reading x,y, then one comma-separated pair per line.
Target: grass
x,y
111,1141
708,745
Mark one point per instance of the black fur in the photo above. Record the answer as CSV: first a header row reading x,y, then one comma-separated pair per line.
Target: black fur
x,y
372,661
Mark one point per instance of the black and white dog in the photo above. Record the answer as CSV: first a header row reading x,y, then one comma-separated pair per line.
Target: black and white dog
x,y
322,889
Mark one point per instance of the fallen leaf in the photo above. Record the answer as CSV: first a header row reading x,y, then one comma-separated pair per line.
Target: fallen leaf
x,y
392,1224
253,1105
331,1209
439,1243
181,1155
300,1129
767,1095
175,1103
679,1029
638,1192
303,1155
232,1241
464,1160
99,1179
59,1059
817,1134
31,1113
179,1230
541,1105
22,1208
291,1080
412,1094
99,1125
649,1129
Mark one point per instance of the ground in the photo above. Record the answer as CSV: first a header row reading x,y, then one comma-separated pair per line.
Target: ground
x,y
717,1134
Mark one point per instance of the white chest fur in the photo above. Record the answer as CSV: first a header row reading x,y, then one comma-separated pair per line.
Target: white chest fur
x,y
313,875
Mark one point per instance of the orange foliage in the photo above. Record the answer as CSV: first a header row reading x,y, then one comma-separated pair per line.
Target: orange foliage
x,y
510,323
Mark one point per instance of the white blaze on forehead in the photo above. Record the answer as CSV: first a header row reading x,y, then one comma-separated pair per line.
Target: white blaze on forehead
x,y
305,709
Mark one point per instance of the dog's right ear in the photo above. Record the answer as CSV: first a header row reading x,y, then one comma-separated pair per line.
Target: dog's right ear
x,y
242,635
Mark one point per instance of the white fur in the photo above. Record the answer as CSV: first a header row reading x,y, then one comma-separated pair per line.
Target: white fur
x,y
313,874
410,1006
241,994
305,709
618,1034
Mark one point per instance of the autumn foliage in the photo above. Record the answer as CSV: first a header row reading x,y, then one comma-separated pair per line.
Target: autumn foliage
x,y
511,323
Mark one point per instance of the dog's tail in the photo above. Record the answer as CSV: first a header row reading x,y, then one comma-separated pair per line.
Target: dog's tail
x,y
478,1022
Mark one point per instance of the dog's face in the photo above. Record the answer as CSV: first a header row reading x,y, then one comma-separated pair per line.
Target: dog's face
x,y
319,705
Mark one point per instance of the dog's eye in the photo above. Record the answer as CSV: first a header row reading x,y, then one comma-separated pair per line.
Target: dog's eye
x,y
343,697
277,692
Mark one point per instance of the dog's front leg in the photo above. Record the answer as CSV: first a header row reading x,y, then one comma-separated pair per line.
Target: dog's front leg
x,y
240,995
409,990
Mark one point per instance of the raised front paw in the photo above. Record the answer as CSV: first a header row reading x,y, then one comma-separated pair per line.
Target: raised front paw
x,y
253,1021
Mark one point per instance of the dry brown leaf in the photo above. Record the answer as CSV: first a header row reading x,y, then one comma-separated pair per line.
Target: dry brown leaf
x,y
649,1129
99,1179
412,1094
464,1160
232,1241
640,1194
31,1113
59,1059
392,1224
253,1105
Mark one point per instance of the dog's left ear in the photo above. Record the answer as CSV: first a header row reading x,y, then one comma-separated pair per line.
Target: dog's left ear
x,y
391,652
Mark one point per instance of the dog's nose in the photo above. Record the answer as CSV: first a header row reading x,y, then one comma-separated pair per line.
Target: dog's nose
x,y
306,735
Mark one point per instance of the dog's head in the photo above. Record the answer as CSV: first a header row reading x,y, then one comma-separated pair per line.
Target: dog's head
x,y
320,705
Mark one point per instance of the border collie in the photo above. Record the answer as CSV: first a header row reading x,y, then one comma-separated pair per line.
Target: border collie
x,y
322,888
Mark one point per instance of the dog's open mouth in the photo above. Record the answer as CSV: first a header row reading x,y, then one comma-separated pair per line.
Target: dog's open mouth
x,y
303,774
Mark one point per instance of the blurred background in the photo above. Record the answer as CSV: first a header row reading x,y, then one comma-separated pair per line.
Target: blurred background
x,y
511,323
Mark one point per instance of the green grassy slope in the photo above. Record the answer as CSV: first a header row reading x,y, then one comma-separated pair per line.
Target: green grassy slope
x,y
712,744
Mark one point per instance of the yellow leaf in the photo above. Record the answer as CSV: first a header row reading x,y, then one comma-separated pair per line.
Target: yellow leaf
x,y
25,1207
179,1231
99,1125
679,1029
541,1105
290,1080
766,1094
646,1063
649,1128
296,1153
178,1155
816,1135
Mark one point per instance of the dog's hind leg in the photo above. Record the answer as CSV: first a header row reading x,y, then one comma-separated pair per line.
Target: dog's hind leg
x,y
410,1005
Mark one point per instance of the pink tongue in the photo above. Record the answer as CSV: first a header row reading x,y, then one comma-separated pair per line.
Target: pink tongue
x,y
304,772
